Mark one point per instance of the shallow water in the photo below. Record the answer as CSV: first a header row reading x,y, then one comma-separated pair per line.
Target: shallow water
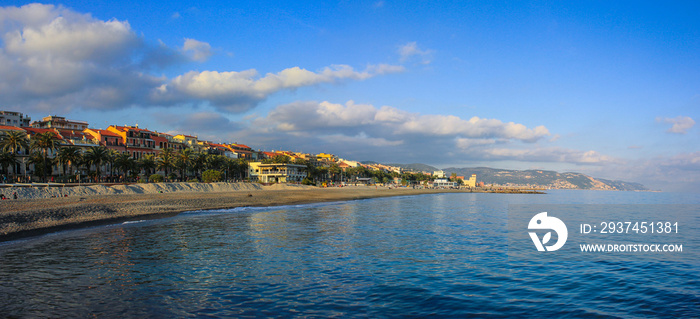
x,y
446,255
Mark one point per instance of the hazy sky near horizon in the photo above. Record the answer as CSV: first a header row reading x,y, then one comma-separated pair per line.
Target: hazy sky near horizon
x,y
607,88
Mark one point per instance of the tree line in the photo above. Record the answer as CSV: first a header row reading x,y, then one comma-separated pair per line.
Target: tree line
x,y
182,165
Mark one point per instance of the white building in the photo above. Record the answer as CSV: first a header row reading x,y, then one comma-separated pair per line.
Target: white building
x,y
59,122
439,174
276,172
444,183
16,119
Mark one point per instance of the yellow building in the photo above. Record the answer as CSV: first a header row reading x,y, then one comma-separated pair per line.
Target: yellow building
x,y
471,183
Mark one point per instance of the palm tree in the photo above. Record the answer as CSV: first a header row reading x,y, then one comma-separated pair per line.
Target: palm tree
x,y
67,156
125,163
111,160
7,159
199,159
183,160
37,159
13,142
242,167
96,155
165,161
45,142
148,163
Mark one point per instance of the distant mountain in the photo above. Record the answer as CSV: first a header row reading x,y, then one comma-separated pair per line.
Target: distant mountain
x,y
528,178
542,178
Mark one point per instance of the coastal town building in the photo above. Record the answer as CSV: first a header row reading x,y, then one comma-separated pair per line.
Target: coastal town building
x,y
471,183
16,119
243,151
77,138
172,143
189,141
444,183
276,172
106,138
136,142
59,122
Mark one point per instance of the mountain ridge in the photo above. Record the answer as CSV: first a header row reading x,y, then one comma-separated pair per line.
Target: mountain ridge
x,y
536,178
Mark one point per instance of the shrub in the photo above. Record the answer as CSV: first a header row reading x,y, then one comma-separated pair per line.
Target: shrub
x,y
172,177
193,180
307,181
212,176
156,178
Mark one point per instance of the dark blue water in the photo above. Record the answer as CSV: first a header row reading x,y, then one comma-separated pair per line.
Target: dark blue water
x,y
448,255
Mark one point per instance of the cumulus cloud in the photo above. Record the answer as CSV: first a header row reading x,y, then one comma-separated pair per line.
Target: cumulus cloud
x,y
237,92
551,154
361,139
679,124
197,50
393,121
410,50
364,131
53,58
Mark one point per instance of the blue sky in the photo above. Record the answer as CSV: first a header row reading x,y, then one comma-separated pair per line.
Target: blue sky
x,y
611,89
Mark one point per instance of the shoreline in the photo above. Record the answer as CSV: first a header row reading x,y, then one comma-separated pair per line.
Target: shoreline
x,y
38,214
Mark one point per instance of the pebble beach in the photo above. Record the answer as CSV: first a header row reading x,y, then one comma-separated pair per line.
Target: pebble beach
x,y
40,210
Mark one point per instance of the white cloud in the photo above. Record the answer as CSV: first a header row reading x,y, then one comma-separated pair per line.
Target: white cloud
x,y
197,50
411,50
241,91
55,58
361,139
324,115
52,58
679,124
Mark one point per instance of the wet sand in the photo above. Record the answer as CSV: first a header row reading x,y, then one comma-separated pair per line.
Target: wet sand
x,y
35,216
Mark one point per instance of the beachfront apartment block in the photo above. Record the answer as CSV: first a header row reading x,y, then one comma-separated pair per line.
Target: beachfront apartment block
x,y
189,141
136,141
106,138
444,183
276,172
59,122
16,119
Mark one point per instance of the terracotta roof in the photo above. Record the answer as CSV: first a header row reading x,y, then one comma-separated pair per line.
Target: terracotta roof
x,y
131,128
107,133
34,131
240,146
104,132
10,128
72,134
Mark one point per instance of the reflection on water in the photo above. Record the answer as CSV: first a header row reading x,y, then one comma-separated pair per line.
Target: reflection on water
x,y
437,255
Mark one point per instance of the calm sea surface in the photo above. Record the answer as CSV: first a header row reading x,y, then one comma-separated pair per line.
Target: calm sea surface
x,y
447,255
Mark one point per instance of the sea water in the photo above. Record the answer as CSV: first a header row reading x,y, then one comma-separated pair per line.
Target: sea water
x,y
444,255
